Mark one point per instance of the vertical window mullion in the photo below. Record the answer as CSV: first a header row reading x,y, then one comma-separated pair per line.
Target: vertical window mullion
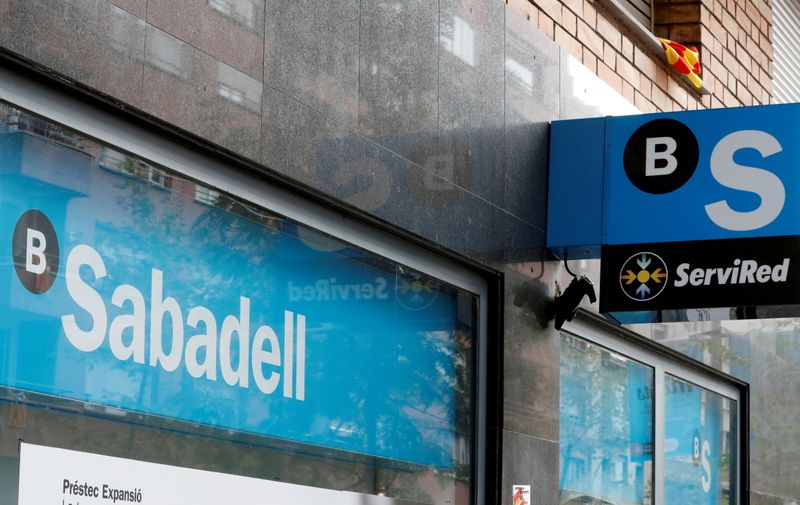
x,y
658,435
736,499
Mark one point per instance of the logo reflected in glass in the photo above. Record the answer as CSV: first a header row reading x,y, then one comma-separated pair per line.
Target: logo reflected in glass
x,y
415,290
643,276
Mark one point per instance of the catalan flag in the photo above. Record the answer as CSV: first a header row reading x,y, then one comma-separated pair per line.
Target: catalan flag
x,y
685,60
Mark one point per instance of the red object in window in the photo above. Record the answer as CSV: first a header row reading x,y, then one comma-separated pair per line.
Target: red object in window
x,y
685,60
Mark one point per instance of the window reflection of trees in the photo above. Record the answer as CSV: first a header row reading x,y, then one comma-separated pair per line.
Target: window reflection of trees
x,y
145,227
597,423
116,161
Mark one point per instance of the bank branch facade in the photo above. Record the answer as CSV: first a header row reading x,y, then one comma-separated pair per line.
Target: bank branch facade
x,y
368,280
149,306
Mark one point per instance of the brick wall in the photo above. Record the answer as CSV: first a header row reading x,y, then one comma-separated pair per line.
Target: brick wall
x,y
734,38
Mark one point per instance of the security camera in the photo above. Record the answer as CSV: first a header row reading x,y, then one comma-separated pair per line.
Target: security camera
x,y
565,306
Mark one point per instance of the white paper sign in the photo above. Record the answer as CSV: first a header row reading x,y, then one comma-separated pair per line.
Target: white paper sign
x,y
521,495
51,476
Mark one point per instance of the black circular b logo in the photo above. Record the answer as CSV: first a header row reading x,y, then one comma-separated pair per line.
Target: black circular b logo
x,y
35,251
661,156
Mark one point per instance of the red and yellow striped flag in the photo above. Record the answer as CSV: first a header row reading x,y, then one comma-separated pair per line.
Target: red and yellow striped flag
x,y
684,59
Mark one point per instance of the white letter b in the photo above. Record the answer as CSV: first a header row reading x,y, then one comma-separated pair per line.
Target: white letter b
x,y
35,251
651,155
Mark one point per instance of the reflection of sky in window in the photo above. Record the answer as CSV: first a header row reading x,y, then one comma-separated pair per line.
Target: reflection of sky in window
x,y
459,39
238,88
520,75
605,425
241,11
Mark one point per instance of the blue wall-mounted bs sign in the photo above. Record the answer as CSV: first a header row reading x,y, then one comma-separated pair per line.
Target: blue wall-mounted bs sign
x,y
728,175
698,175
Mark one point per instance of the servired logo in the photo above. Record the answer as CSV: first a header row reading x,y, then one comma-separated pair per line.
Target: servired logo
x,y
643,276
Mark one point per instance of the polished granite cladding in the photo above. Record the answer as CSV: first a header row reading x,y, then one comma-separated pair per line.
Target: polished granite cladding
x,y
320,152
398,72
583,94
531,349
311,54
529,461
91,41
531,102
196,92
471,39
230,31
525,179
299,141
520,243
532,67
136,7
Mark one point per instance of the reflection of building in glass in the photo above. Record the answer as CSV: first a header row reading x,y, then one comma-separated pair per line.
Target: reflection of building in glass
x,y
233,86
242,11
206,195
519,74
606,434
116,161
169,54
31,124
458,38
122,31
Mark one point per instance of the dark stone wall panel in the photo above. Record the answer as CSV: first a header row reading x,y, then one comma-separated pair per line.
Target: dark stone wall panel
x,y
196,92
311,54
398,71
533,462
471,46
232,32
91,41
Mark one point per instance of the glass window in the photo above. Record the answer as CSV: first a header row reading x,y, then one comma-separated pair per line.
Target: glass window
x,y
193,328
624,411
698,461
606,432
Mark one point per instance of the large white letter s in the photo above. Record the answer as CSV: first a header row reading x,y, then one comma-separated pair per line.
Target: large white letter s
x,y
743,178
87,298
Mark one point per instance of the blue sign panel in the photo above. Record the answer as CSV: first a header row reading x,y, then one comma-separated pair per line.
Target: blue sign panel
x,y
684,176
704,175
130,287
